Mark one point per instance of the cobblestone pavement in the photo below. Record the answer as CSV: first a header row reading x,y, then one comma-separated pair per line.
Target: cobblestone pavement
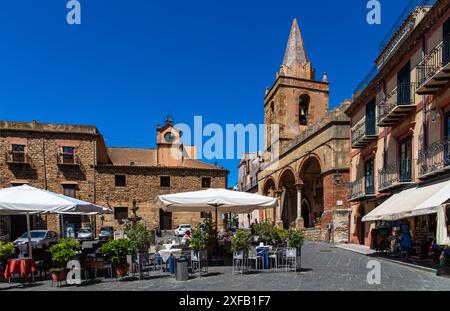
x,y
324,267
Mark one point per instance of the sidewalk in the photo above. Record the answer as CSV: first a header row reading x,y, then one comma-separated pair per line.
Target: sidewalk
x,y
424,265
360,249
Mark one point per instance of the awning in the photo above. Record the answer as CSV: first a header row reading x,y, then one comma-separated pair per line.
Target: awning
x,y
421,200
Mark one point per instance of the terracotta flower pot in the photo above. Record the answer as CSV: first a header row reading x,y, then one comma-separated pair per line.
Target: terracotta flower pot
x,y
58,275
122,271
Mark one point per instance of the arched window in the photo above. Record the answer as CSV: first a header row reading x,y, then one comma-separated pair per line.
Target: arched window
x,y
303,107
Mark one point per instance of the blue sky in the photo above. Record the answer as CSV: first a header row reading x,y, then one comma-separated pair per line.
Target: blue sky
x,y
130,62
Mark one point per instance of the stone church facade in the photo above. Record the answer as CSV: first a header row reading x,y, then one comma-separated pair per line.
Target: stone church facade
x,y
306,161
74,160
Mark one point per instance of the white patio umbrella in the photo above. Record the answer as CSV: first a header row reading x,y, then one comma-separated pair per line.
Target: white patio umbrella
x,y
218,200
26,200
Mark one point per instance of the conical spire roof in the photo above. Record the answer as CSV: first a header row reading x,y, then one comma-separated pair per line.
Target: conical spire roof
x,y
295,50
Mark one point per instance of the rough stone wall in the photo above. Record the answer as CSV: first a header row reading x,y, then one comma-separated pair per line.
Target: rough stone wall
x,y
143,185
315,234
341,226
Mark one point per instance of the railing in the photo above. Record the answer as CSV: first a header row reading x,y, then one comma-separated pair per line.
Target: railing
x,y
249,185
365,82
361,188
67,159
358,131
413,4
17,157
395,174
401,95
436,59
434,158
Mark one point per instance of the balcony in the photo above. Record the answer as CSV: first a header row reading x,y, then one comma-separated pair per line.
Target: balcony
x,y
68,159
361,191
433,72
395,175
18,158
362,135
435,159
396,105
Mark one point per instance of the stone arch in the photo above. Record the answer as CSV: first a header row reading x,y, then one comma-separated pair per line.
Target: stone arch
x,y
287,185
269,184
312,191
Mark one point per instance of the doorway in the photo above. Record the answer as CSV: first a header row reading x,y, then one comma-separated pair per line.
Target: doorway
x,y
165,220
306,214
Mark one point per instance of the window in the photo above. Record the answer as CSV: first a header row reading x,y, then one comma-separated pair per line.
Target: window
x,y
69,190
404,85
18,153
405,157
164,181
205,214
206,182
272,107
446,39
303,108
68,155
370,117
120,180
369,186
120,213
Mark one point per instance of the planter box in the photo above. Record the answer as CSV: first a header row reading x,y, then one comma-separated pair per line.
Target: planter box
x,y
199,255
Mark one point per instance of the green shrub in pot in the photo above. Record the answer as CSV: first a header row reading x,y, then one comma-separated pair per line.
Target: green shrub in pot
x,y
241,240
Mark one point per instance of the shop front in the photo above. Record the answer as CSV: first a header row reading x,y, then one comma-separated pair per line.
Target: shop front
x,y
414,224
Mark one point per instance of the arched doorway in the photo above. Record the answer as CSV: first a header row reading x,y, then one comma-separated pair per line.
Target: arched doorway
x,y
306,213
312,192
288,198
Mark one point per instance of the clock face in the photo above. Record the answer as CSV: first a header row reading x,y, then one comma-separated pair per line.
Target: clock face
x,y
169,137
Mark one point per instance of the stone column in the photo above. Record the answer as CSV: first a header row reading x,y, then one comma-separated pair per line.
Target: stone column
x,y
279,222
299,222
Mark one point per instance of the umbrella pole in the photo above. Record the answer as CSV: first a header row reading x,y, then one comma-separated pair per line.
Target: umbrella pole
x,y
30,248
216,224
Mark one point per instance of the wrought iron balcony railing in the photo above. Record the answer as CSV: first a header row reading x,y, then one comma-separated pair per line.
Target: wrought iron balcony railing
x,y
435,159
362,134
68,159
398,103
433,72
395,175
362,189
18,157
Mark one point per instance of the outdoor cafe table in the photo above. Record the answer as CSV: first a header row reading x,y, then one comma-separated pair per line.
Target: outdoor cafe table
x,y
168,255
21,266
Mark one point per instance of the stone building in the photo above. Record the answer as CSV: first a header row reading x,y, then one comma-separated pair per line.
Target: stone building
x,y
248,169
400,118
306,162
74,160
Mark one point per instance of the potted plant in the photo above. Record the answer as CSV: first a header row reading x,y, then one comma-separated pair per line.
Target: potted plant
x,y
295,240
199,243
278,236
140,239
240,243
116,252
62,253
6,251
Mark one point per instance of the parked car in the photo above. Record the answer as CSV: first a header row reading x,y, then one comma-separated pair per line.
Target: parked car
x,y
106,233
39,239
85,234
181,230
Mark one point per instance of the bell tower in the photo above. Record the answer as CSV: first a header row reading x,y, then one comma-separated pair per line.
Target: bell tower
x,y
296,100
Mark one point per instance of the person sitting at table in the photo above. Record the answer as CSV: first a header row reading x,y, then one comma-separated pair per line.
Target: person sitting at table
x,y
186,237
